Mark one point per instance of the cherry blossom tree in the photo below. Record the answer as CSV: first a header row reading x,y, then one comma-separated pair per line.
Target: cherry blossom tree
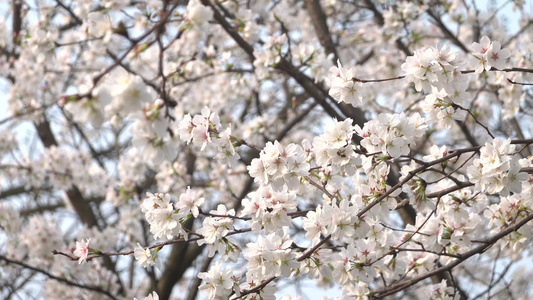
x,y
172,149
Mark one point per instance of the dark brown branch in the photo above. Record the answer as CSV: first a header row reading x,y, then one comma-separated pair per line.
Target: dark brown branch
x,y
518,83
319,20
13,191
17,20
449,190
256,289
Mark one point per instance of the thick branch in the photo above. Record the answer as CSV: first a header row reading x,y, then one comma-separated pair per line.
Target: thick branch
x,y
17,20
319,20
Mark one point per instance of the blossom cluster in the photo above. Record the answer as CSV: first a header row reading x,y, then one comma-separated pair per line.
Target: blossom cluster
x,y
440,291
279,166
270,256
507,211
214,233
343,86
334,147
145,257
396,16
269,208
497,170
340,221
434,68
442,109
205,128
166,218
10,221
8,142
437,71
198,14
391,134
269,55
487,54
150,133
218,283
454,232
39,228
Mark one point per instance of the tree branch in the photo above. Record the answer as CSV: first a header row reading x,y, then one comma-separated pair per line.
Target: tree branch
x,y
60,279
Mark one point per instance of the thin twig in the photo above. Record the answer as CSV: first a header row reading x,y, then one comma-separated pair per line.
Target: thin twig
x,y
60,279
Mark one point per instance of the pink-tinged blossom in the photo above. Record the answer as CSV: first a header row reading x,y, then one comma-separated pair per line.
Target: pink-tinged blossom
x,y
218,283
190,202
280,166
82,250
334,147
391,134
487,54
343,86
199,129
163,219
269,208
497,170
496,56
433,68
144,257
226,150
440,291
214,231
341,266
270,256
